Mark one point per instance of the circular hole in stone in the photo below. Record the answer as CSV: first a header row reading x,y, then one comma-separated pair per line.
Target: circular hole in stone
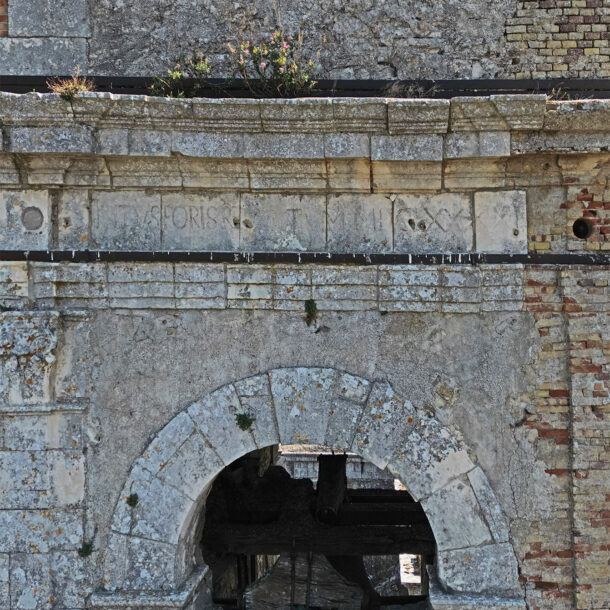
x,y
32,219
582,228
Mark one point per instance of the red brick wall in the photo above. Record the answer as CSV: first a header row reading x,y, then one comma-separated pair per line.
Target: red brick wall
x,y
3,18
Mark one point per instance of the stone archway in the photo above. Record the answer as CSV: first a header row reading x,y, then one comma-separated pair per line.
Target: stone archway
x,y
151,548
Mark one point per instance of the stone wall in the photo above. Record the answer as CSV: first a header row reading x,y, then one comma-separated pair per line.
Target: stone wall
x,y
120,376
365,39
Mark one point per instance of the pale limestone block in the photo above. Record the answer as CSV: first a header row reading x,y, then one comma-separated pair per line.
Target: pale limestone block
x,y
200,222
193,466
489,505
216,417
112,141
401,176
364,114
346,145
213,173
126,220
331,275
204,145
386,420
302,398
256,401
249,291
8,170
433,223
134,563
429,457
140,272
489,569
472,174
501,222
25,220
455,517
283,222
417,147
294,115
73,220
193,272
43,432
147,172
63,18
460,145
24,530
359,223
349,175
287,174
66,478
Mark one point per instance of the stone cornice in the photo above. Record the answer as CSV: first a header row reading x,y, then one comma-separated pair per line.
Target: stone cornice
x,y
382,129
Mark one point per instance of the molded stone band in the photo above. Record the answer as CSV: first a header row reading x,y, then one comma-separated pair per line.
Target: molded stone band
x,y
321,406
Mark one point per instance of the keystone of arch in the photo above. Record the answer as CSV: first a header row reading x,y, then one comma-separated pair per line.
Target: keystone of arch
x,y
152,546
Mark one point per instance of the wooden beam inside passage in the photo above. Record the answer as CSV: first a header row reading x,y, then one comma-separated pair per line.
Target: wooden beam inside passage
x,y
382,513
277,538
332,486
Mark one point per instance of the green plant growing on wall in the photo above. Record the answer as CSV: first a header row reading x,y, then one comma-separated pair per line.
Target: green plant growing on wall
x,y
187,78
132,500
244,421
68,88
311,311
86,549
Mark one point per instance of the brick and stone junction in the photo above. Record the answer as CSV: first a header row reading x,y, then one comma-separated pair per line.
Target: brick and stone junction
x,y
157,256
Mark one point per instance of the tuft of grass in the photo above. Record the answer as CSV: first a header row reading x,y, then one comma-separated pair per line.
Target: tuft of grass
x,y
132,500
188,77
86,549
311,311
67,88
244,421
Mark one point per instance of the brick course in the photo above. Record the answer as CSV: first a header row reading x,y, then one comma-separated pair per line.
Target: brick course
x,y
559,39
3,18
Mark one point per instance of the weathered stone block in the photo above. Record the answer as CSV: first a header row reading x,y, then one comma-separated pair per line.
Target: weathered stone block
x,y
477,144
212,416
359,223
400,176
301,397
5,599
386,419
149,143
201,222
347,145
489,505
26,530
501,221
429,457
52,139
283,222
256,402
73,220
433,223
69,18
418,116
41,432
283,146
126,220
286,174
407,148
34,56
25,220
193,466
455,517
203,145
490,569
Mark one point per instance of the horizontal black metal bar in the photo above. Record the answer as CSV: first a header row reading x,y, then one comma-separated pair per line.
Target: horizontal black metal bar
x,y
341,258
441,88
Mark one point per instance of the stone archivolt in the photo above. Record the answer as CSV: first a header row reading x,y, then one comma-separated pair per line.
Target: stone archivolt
x,y
306,405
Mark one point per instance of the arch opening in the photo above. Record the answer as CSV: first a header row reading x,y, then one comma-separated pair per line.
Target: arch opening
x,y
153,548
306,526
